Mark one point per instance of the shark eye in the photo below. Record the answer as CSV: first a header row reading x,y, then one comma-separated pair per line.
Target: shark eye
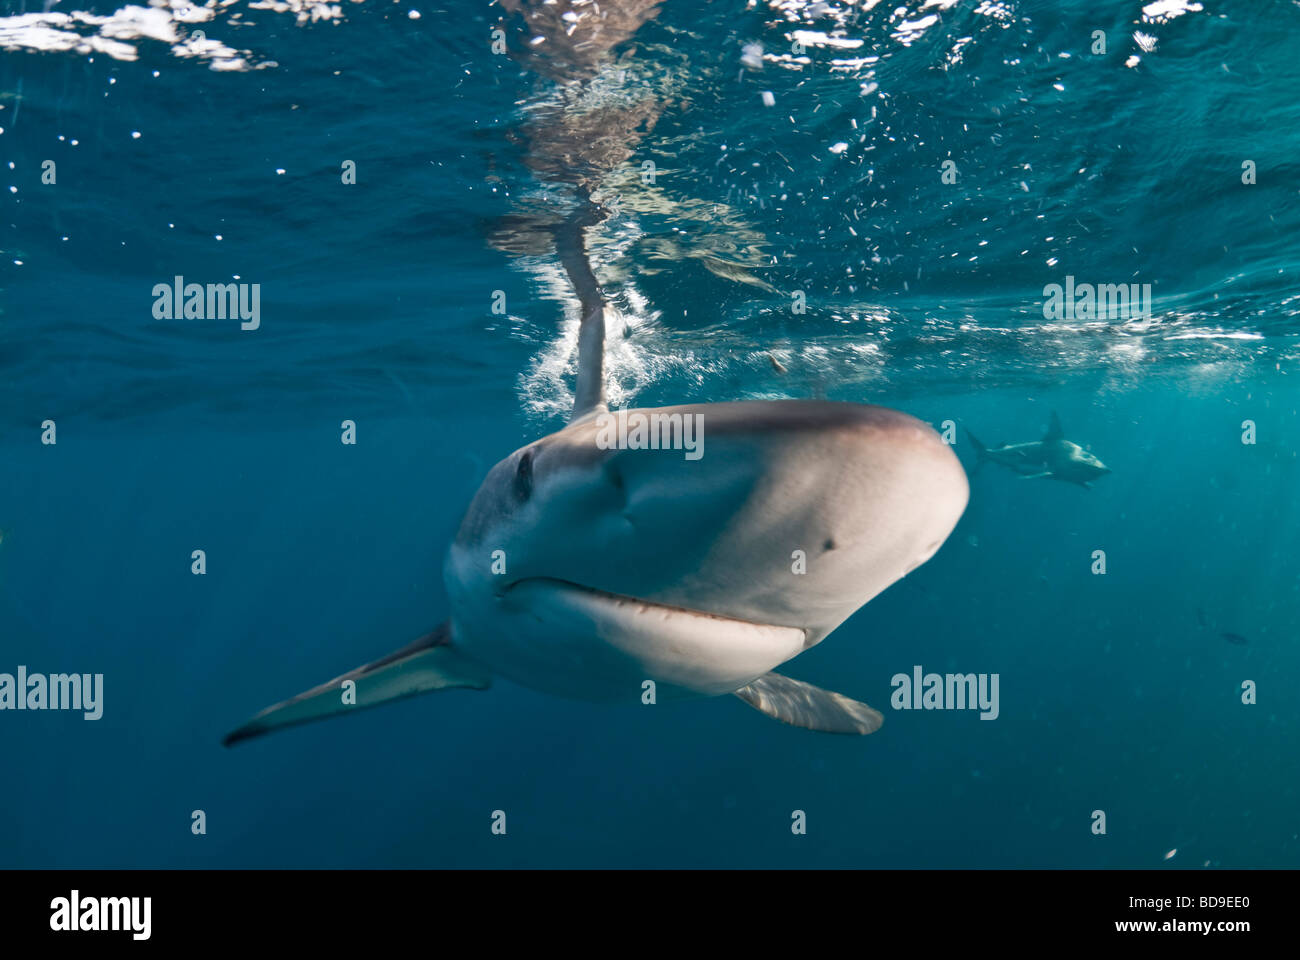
x,y
524,477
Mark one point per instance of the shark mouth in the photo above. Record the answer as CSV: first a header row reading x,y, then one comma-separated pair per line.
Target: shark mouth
x,y
640,606
704,652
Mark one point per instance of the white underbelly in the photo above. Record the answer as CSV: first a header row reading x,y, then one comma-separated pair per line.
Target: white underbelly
x,y
569,641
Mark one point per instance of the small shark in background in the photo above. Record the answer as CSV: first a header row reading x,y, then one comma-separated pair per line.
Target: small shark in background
x,y
1053,456
1229,635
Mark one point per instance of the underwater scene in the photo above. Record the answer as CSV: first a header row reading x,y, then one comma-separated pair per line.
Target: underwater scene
x,y
685,433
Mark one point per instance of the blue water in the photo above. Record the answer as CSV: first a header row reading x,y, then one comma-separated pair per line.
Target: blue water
x,y
1118,692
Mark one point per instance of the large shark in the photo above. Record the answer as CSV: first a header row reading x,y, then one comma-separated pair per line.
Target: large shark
x,y
1053,456
586,569
601,572
586,572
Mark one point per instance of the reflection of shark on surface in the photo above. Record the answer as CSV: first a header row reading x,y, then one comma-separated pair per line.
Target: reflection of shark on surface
x,y
581,129
1053,456
633,575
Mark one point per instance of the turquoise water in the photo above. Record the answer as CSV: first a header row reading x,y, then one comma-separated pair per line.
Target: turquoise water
x,y
1120,693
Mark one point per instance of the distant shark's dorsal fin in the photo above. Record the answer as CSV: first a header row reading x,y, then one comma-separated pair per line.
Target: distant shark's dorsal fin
x,y
1054,432
589,394
803,705
430,663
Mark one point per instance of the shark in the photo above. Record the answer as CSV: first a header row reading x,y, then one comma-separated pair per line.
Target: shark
x,y
616,573
597,574
1053,456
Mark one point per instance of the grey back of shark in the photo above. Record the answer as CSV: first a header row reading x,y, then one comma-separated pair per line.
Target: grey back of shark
x,y
1053,456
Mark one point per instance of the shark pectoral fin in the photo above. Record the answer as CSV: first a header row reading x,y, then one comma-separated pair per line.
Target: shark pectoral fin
x,y
803,705
430,663
1035,476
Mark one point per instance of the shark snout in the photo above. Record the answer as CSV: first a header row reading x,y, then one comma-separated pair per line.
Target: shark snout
x,y
796,514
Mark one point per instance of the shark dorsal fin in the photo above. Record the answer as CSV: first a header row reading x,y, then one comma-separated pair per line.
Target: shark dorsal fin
x,y
589,393
1054,432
